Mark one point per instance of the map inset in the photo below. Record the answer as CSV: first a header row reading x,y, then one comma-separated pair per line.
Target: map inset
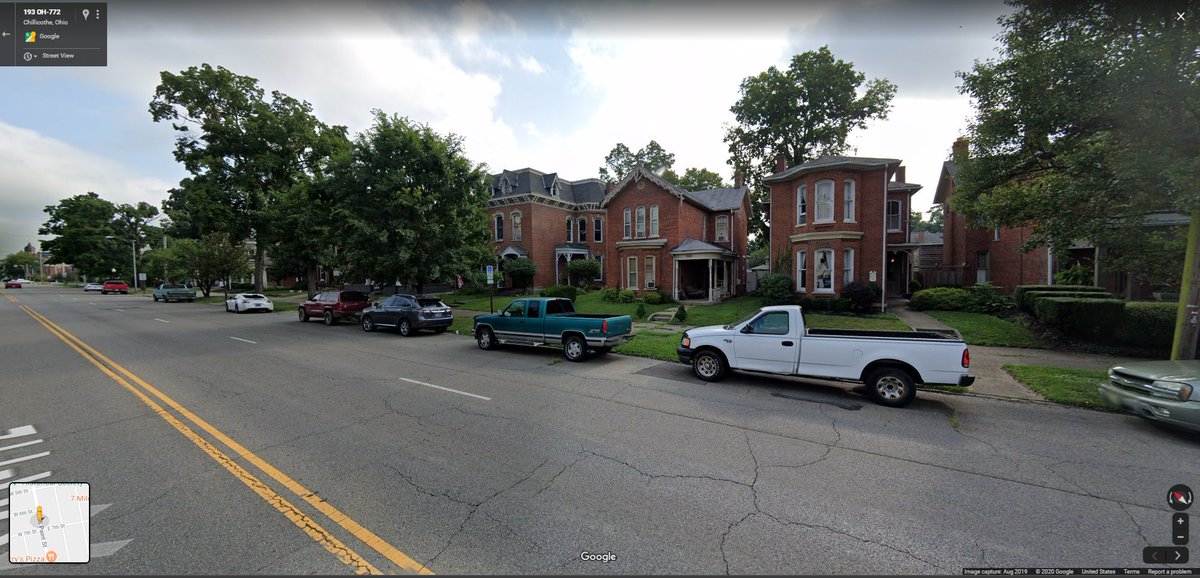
x,y
48,523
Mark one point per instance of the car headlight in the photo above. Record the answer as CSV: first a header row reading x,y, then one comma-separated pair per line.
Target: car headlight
x,y
687,341
1182,391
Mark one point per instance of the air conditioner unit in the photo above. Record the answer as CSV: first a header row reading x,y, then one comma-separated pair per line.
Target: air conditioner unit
x,y
650,284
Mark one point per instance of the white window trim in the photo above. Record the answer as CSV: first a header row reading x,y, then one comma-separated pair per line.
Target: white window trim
x,y
802,271
639,222
581,233
847,266
817,202
631,272
849,201
598,231
651,272
628,230
801,205
996,234
832,267
899,217
516,225
498,225
570,230
653,221
724,219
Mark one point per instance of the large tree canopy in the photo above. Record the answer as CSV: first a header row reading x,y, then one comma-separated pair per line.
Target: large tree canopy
x,y
695,179
803,112
621,161
86,236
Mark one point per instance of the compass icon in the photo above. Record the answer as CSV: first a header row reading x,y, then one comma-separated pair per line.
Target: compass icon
x,y
1180,497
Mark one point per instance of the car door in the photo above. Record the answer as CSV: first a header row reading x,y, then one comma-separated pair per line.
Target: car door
x,y
512,320
768,343
313,306
534,320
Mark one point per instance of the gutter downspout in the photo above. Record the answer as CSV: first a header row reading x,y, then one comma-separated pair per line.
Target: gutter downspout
x,y
883,244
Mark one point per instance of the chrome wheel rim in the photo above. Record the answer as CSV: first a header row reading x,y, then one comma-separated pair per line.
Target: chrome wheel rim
x,y
890,388
706,365
366,323
485,339
404,328
574,349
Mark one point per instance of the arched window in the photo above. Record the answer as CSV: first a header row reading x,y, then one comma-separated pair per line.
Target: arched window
x,y
599,233
581,230
823,199
628,224
570,235
499,227
653,220
801,205
516,225
848,201
641,221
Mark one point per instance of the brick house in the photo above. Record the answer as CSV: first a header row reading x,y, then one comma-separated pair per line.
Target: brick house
x,y
548,219
689,244
974,254
841,219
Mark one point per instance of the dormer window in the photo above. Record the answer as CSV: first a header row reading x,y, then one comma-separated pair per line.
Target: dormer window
x,y
554,189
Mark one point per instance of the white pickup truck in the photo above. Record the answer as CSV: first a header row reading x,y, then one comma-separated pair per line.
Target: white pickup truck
x,y
775,340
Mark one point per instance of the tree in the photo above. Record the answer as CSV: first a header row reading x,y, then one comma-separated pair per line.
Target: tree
x,y
803,112
621,161
520,272
245,151
86,235
935,224
1086,123
414,209
215,257
167,264
695,179
20,264
583,270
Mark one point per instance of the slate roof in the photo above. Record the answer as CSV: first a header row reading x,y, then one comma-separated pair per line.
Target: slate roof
x,y
828,162
531,181
691,245
894,186
719,199
925,238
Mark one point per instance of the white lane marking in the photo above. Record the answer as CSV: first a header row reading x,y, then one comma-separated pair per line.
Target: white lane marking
x,y
25,430
108,548
21,445
5,474
3,502
161,320
25,459
121,310
97,509
33,478
90,303
246,340
3,539
445,389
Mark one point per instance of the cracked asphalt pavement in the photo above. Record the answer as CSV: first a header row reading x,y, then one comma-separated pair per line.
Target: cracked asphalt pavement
x,y
624,456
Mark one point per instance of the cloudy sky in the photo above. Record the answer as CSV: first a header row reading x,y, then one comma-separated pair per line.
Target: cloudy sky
x,y
548,85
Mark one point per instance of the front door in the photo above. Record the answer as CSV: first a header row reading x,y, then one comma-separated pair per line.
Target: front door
x,y
767,344
982,264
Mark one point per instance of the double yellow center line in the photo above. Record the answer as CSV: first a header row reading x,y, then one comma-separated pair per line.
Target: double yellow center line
x,y
123,377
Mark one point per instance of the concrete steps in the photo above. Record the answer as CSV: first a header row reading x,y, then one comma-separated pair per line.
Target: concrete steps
x,y
661,316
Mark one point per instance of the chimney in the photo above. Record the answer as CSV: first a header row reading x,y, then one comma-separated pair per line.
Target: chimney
x,y
780,163
608,187
737,180
900,175
959,149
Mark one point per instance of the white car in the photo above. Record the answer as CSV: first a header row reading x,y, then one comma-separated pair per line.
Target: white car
x,y
248,302
93,287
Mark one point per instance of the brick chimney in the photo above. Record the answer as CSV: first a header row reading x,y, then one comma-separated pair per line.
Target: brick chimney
x,y
900,175
959,149
780,163
608,187
737,180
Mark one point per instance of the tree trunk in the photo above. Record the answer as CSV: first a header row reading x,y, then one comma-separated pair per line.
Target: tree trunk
x,y
310,277
1187,327
260,266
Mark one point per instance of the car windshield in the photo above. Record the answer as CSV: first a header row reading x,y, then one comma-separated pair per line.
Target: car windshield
x,y
354,296
742,320
176,286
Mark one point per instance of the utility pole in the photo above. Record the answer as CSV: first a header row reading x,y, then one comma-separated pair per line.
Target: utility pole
x,y
1187,319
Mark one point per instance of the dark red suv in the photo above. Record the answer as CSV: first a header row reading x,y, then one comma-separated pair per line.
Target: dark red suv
x,y
331,306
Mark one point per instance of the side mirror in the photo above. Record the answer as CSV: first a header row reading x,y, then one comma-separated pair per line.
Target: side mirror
x,y
747,329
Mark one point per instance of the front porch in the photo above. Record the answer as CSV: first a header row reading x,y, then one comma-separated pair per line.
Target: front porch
x,y
702,272
563,255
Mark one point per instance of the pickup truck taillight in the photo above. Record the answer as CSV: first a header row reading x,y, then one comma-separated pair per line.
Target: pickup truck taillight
x,y
966,360
604,327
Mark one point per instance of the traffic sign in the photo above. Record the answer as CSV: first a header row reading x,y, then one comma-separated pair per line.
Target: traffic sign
x,y
490,274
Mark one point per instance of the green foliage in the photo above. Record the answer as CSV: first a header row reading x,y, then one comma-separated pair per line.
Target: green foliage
x,y
681,314
212,258
695,179
940,299
1090,319
987,298
935,224
833,305
860,296
760,255
20,264
167,265
610,295
621,161
985,329
1020,290
776,289
1147,325
1062,385
802,112
1076,275
86,236
641,311
1029,298
583,270
560,291
520,272
657,297
626,296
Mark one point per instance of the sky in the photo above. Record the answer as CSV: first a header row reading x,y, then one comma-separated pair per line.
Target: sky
x,y
548,85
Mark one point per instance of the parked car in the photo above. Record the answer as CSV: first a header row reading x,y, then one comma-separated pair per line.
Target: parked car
x,y
775,340
174,292
93,287
12,284
552,321
331,306
408,313
114,286
22,280
1163,391
242,302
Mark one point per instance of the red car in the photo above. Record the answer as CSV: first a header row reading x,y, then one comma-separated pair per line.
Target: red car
x,y
331,306
114,286
12,284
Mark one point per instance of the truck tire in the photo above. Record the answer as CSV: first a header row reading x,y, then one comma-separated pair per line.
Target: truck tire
x,y
156,298
329,320
575,349
891,386
486,339
367,324
303,314
405,327
709,365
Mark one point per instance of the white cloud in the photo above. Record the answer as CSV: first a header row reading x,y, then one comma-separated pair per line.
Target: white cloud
x,y
532,65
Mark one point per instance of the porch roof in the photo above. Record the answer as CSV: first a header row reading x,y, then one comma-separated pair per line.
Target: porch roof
x,y
570,248
514,250
692,246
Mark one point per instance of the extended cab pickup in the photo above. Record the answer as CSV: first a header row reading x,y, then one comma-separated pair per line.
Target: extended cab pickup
x,y
552,320
775,340
174,292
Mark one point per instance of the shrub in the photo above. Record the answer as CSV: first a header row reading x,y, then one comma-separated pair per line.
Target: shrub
x,y
1090,319
1076,275
940,299
776,289
641,311
520,272
583,270
1020,290
1147,324
657,298
681,314
915,285
626,296
859,295
811,304
987,298
1029,298
610,295
560,291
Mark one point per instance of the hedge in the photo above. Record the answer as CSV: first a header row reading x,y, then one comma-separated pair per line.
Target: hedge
x,y
810,304
1090,319
561,291
940,299
1028,298
1147,324
1021,289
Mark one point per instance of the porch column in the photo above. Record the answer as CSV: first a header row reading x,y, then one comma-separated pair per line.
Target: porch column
x,y
674,278
556,269
711,281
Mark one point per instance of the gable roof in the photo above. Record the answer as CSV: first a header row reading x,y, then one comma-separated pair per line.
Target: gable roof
x,y
691,245
710,200
719,199
945,182
829,162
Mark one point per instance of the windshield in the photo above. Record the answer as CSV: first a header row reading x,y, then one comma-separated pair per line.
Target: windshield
x,y
742,320
174,287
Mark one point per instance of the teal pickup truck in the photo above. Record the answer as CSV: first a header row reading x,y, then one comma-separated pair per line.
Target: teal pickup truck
x,y
174,292
552,320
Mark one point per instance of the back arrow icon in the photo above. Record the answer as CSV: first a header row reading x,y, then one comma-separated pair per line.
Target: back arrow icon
x,y
7,34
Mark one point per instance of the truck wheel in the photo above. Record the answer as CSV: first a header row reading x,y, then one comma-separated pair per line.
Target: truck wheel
x,y
329,320
602,350
367,324
575,348
709,366
303,314
405,328
485,338
156,298
891,386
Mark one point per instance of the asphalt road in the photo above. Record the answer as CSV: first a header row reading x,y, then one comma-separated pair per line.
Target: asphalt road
x,y
300,448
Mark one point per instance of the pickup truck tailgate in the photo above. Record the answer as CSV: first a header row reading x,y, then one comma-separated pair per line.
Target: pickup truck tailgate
x,y
619,325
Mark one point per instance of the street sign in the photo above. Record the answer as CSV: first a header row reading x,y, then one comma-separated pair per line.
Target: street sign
x,y
490,274
141,276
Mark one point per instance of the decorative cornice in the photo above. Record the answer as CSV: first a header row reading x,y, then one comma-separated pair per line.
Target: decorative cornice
x,y
827,235
636,243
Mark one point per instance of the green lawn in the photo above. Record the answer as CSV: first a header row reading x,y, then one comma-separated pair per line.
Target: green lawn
x,y
727,311
586,303
984,329
1077,387
652,344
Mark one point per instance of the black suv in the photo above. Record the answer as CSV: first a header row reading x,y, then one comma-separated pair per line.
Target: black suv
x,y
408,313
